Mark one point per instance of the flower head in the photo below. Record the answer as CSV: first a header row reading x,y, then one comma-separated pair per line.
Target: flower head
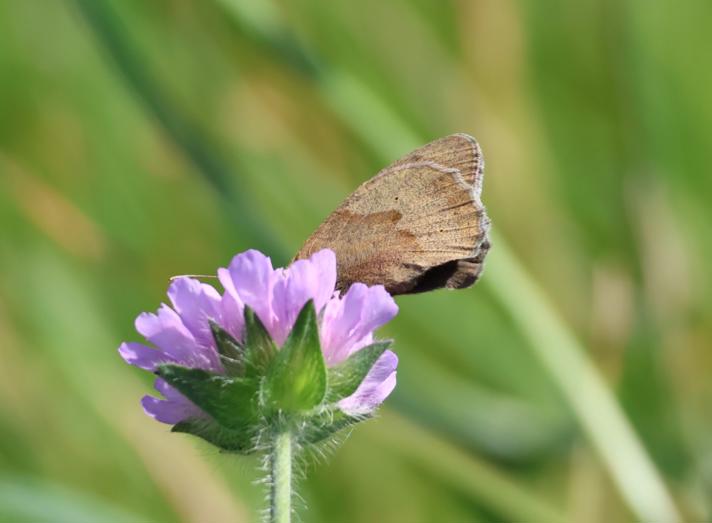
x,y
201,328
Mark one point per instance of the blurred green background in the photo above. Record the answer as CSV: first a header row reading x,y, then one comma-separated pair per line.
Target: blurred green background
x,y
143,139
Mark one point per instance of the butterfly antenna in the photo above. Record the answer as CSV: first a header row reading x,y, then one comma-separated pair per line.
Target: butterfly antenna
x,y
193,276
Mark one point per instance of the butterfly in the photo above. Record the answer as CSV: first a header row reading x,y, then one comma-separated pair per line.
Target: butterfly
x,y
418,225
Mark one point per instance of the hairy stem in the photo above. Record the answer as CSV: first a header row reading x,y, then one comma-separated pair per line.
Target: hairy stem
x,y
281,479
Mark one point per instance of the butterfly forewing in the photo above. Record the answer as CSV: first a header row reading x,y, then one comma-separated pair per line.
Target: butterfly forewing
x,y
417,225
457,151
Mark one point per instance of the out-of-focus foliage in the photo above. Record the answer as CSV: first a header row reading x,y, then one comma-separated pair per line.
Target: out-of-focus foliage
x,y
139,140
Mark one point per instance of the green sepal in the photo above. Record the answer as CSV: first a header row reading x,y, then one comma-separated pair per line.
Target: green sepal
x,y
260,350
231,401
296,379
346,377
230,440
232,353
325,425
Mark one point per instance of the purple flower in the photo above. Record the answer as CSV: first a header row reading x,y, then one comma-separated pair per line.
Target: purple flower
x,y
182,334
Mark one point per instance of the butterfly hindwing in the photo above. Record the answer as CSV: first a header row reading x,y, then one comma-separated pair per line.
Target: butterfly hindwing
x,y
417,225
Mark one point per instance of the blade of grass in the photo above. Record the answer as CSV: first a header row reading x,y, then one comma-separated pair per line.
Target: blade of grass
x,y
521,429
28,499
587,393
461,470
206,159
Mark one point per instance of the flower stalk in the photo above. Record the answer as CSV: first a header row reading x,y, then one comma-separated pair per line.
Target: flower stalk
x,y
281,478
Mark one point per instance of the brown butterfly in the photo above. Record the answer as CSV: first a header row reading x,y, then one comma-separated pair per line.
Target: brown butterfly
x,y
416,226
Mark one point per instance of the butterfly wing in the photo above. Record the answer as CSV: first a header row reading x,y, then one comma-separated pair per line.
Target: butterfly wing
x,y
418,225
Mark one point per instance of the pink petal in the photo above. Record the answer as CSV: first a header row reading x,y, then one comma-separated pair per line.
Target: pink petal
x,y
142,356
251,277
292,290
349,321
197,304
379,383
174,409
233,313
323,268
167,411
167,331
304,280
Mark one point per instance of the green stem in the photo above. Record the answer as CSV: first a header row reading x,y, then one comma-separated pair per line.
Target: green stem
x,y
281,479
